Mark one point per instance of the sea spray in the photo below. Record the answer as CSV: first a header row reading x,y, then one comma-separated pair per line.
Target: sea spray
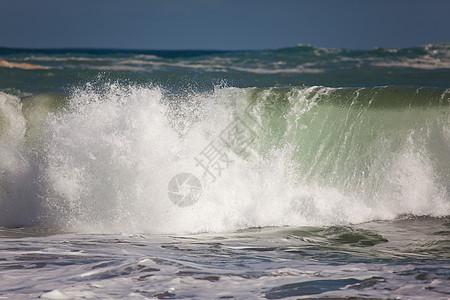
x,y
320,156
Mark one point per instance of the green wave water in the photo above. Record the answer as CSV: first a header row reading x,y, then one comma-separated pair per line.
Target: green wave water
x,y
316,156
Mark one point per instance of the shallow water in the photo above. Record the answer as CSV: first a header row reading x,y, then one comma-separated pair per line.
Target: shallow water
x,y
407,258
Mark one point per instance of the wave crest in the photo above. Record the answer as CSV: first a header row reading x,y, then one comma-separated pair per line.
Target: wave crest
x,y
100,160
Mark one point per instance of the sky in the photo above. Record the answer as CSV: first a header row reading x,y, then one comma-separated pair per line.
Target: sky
x,y
223,24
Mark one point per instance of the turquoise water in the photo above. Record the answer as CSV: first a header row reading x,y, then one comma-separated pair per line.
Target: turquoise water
x,y
289,173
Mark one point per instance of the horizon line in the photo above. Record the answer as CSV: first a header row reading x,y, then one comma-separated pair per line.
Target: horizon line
x,y
210,49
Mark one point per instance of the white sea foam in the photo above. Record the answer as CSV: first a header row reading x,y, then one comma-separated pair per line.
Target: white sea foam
x,y
270,70
105,162
423,62
67,58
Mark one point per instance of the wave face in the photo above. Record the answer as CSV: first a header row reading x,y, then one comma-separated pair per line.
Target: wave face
x,y
101,159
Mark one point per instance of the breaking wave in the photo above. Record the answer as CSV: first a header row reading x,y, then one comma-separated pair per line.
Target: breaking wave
x,y
101,158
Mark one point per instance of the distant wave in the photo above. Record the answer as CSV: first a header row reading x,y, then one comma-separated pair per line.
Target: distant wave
x,y
284,62
25,66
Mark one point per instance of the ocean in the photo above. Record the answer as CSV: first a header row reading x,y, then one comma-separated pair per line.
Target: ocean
x,y
293,173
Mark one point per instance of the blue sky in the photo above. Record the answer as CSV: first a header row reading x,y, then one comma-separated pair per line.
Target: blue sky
x,y
222,24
